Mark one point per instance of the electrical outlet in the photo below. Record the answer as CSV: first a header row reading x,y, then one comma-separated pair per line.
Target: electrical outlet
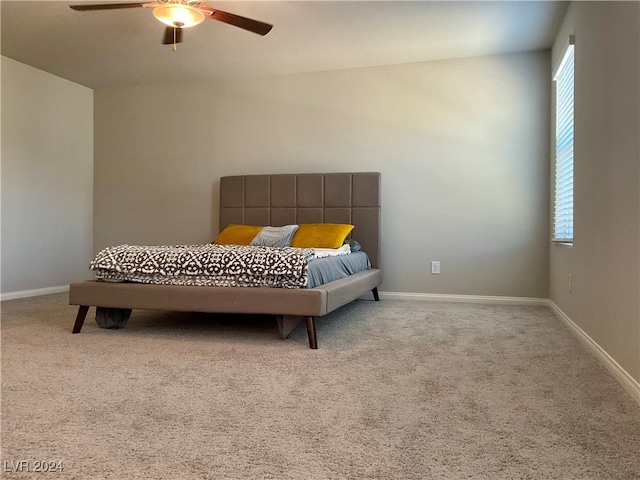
x,y
435,267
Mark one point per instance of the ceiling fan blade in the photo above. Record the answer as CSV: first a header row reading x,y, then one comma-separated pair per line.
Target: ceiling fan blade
x,y
172,35
110,6
254,26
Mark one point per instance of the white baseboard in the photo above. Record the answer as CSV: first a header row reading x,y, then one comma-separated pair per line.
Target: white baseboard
x,y
437,297
33,293
629,383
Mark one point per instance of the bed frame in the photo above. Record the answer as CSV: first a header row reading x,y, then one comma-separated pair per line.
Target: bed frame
x,y
262,200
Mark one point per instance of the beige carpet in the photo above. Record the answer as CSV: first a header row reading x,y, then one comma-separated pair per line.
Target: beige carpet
x,y
397,390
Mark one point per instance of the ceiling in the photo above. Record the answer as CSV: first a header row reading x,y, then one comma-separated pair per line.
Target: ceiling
x,y
123,47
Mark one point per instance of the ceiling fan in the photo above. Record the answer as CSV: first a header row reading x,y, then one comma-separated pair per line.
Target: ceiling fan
x,y
180,14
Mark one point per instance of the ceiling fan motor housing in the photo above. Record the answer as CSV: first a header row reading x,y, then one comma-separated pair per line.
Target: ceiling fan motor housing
x,y
179,15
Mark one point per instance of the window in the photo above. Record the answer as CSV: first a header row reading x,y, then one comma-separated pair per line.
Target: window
x,y
563,208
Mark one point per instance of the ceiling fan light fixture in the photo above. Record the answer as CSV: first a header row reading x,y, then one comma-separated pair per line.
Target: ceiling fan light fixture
x,y
178,15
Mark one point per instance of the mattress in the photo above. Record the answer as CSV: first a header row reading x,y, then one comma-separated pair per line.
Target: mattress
x,y
328,269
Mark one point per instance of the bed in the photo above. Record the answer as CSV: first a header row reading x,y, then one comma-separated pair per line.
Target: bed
x,y
282,199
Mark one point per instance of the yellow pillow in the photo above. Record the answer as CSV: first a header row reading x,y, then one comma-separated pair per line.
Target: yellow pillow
x,y
321,235
237,234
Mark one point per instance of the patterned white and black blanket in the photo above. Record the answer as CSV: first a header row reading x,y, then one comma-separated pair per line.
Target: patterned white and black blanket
x,y
205,265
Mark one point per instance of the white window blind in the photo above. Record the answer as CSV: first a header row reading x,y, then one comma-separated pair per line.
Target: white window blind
x,y
563,211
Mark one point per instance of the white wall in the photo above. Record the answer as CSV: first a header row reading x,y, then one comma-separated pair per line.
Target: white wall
x,y
47,179
462,145
605,259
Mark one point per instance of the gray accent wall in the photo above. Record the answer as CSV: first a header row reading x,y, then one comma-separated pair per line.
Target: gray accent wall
x,y
462,145
47,180
604,261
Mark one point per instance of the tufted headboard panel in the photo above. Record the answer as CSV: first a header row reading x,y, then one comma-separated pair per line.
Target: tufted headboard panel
x,y
286,199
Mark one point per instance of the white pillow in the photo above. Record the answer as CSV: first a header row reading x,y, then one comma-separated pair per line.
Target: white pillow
x,y
332,252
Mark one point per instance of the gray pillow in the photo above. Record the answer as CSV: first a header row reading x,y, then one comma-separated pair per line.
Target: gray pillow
x,y
355,246
275,236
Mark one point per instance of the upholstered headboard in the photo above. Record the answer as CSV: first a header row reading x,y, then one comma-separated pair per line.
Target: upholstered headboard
x,y
286,199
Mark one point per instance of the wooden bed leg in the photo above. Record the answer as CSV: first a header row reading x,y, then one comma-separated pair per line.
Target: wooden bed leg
x,y
376,297
82,314
311,332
